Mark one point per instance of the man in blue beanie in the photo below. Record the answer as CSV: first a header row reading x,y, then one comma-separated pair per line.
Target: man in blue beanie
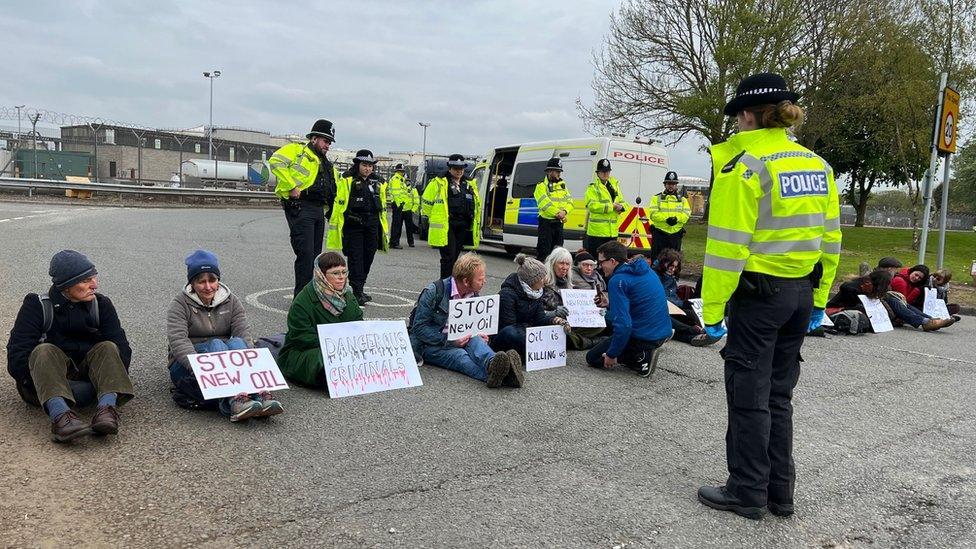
x,y
67,347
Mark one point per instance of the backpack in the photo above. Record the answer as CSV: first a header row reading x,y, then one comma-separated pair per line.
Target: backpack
x,y
273,343
47,309
439,289
851,322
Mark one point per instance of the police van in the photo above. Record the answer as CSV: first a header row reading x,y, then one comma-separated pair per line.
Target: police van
x,y
508,176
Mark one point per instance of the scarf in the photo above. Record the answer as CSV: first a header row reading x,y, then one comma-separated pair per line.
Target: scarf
x,y
532,294
332,300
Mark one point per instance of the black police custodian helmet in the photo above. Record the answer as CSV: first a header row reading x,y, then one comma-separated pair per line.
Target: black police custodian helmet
x,y
398,168
671,177
603,165
364,155
766,88
456,161
554,164
322,128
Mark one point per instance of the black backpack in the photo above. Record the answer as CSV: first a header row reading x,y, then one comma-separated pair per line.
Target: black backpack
x,y
439,289
851,322
47,309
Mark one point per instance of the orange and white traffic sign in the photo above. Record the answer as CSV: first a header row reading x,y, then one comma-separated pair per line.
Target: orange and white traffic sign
x,y
946,138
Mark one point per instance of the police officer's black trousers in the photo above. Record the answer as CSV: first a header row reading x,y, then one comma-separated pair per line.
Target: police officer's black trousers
x,y
306,228
457,237
400,218
661,240
550,236
762,366
591,243
359,244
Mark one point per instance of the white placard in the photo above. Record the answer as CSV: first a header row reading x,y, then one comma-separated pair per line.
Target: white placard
x,y
472,316
583,313
696,305
972,270
227,373
877,314
827,321
545,347
367,356
933,306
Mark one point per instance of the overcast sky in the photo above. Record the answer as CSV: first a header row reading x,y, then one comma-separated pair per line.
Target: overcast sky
x,y
483,73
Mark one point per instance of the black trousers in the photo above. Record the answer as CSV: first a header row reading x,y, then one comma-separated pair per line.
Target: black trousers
x,y
457,237
359,244
591,243
306,228
661,240
550,236
399,218
762,366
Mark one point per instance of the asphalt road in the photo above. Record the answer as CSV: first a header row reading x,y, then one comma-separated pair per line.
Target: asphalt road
x,y
884,443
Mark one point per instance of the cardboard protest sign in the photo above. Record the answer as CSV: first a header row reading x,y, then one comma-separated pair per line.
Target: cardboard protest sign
x,y
472,316
877,314
933,306
583,313
367,357
545,347
227,373
674,309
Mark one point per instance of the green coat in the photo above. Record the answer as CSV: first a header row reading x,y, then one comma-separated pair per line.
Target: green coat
x,y
300,359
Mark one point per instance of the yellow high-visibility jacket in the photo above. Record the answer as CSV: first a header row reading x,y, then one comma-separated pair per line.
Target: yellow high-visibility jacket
x,y
664,206
773,209
552,196
409,199
601,217
295,165
338,216
395,187
434,206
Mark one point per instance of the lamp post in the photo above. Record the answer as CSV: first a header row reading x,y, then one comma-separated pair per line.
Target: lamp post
x,y
423,161
211,76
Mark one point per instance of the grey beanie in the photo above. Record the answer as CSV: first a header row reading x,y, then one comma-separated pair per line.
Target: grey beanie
x,y
69,267
530,270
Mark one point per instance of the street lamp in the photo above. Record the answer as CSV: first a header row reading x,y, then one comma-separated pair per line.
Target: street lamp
x,y
18,107
211,76
423,161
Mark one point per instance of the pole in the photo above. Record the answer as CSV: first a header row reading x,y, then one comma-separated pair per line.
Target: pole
x,y
210,130
933,164
34,120
423,161
942,217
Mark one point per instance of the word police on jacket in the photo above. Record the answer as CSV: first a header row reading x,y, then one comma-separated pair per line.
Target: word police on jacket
x,y
793,184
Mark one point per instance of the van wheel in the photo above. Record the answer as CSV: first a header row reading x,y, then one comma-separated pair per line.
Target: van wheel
x,y
513,250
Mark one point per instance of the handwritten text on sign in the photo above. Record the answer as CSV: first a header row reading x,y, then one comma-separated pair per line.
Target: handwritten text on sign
x,y
933,306
698,306
877,314
367,357
227,373
472,316
583,313
545,347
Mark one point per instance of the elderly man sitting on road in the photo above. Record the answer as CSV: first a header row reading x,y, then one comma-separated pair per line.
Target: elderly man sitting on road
x,y
67,347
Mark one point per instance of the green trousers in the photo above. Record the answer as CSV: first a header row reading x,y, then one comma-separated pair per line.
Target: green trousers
x,y
51,368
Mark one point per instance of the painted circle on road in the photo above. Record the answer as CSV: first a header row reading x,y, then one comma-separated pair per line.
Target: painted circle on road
x,y
390,298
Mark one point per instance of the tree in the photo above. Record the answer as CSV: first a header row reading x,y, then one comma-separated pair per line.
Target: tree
x,y
962,185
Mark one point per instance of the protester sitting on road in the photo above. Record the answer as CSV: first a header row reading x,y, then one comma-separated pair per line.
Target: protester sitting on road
x,y
559,274
585,275
686,326
205,317
638,313
469,355
67,348
327,299
876,285
521,306
888,263
940,281
910,282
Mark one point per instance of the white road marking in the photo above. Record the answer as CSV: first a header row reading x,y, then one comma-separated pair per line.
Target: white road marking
x,y
254,300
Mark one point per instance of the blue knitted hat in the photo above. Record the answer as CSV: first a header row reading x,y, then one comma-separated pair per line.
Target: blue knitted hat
x,y
201,261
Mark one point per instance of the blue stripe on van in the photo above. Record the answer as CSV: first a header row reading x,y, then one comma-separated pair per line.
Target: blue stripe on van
x,y
528,213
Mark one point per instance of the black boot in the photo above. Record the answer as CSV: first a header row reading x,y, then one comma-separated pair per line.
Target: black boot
x,y
717,497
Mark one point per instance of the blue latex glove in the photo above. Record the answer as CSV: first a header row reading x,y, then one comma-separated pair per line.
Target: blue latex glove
x,y
716,331
816,319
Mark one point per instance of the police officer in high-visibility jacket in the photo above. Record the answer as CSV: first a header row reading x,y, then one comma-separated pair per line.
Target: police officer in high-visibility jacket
x,y
604,202
406,201
453,209
554,203
396,189
305,178
771,255
357,225
669,212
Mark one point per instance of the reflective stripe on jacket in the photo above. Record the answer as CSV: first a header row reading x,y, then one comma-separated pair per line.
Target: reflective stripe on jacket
x,y
664,206
773,209
395,188
434,207
295,165
337,218
552,196
601,217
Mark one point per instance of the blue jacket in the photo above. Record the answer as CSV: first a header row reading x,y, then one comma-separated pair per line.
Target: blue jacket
x,y
430,318
638,307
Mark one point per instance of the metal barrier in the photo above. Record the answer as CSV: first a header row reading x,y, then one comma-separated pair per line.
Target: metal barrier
x,y
31,184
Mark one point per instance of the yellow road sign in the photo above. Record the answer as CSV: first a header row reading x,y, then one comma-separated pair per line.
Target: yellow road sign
x,y
950,118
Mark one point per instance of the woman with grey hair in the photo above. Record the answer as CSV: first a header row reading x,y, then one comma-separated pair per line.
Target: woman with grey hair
x,y
521,307
559,266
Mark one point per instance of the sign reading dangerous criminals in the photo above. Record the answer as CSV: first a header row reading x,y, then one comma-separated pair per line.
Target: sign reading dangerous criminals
x,y
367,357
946,138
472,316
227,373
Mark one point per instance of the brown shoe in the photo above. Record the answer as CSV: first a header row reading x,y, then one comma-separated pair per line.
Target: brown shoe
x,y
105,421
498,368
934,324
67,426
516,376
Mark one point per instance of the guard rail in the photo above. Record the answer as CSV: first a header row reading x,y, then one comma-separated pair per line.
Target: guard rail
x,y
31,184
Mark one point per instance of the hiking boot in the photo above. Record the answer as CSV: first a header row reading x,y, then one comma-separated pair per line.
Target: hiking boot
x,y
243,408
105,421
717,497
269,406
780,509
367,297
68,426
934,324
703,340
516,376
498,368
